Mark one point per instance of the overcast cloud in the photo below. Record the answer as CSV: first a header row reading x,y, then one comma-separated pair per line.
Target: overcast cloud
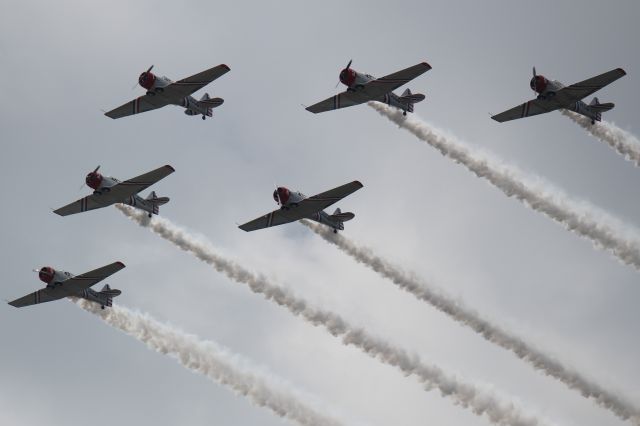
x,y
62,62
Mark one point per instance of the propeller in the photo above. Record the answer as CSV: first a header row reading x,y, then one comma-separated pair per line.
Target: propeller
x,y
84,183
346,68
534,72
36,270
149,70
277,193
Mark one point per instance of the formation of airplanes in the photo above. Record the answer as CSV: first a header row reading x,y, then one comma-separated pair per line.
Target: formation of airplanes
x,y
161,91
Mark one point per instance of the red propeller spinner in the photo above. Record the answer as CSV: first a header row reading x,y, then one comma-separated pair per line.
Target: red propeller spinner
x,y
94,179
347,75
281,195
538,83
147,79
46,274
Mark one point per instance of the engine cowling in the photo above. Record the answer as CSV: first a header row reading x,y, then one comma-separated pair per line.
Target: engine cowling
x,y
46,274
281,195
93,180
147,79
538,83
348,77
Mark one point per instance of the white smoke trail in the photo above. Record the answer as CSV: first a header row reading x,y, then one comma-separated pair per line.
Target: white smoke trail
x,y
612,401
498,409
215,362
582,218
622,141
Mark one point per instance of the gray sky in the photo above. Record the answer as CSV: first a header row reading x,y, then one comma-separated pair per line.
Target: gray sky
x,y
64,61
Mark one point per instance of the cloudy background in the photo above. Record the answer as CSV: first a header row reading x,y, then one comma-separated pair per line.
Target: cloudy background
x,y
62,62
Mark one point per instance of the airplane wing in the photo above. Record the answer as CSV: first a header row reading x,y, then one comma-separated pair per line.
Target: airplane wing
x,y
183,88
70,287
40,296
527,109
585,88
372,90
80,282
391,82
117,193
341,100
305,208
142,104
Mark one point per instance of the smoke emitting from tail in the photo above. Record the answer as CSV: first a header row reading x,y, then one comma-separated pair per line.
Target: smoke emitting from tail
x,y
215,362
622,141
582,218
610,400
499,410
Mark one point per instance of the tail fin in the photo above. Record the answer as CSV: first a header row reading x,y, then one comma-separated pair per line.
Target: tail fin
x,y
156,201
411,98
109,293
204,97
596,106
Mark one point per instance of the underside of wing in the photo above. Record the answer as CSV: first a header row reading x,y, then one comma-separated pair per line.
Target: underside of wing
x,y
527,109
591,85
142,104
90,202
389,83
88,279
341,100
186,86
275,218
321,201
40,296
132,186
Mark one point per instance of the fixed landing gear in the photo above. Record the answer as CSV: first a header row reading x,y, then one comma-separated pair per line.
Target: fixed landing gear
x,y
404,113
150,93
101,306
150,215
593,122
335,231
204,117
159,89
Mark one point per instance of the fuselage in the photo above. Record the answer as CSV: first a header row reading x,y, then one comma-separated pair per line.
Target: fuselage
x,y
155,85
288,199
102,185
355,81
56,279
547,89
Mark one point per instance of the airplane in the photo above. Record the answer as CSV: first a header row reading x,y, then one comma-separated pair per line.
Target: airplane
x,y
162,91
64,284
553,95
296,206
362,88
109,190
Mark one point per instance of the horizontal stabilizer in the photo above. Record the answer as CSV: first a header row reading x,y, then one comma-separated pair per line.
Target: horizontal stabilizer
x,y
413,98
158,201
602,107
343,217
212,103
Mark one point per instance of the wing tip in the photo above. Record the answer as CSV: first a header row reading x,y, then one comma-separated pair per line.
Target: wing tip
x,y
357,182
119,263
225,66
622,71
427,64
170,168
